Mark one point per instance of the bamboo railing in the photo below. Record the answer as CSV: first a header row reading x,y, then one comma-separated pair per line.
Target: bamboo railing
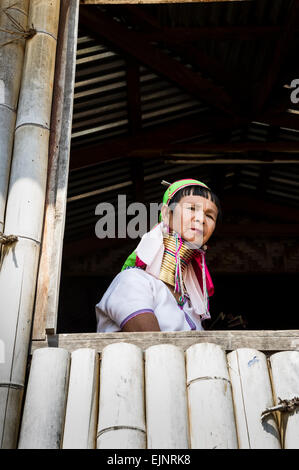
x,y
160,398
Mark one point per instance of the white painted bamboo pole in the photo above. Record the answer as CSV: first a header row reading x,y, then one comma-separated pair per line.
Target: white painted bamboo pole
x,y
45,402
25,210
121,421
166,398
252,394
285,379
211,414
82,403
11,65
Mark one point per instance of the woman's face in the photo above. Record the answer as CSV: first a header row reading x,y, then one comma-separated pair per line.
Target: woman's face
x,y
194,218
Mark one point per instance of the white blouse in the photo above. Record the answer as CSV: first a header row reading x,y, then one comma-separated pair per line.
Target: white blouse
x,y
134,291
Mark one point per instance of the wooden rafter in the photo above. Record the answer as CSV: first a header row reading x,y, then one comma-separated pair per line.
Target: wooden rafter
x,y
162,135
222,148
210,67
101,25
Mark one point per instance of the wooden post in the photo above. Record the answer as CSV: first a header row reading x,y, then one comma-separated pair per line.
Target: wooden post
x,y
252,394
82,402
166,398
25,210
11,65
285,379
46,305
212,421
44,409
121,422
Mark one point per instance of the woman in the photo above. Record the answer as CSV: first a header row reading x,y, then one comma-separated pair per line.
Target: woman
x,y
165,284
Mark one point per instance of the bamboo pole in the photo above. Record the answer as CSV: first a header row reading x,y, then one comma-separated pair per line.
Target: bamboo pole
x,y
25,210
121,421
166,398
285,379
11,64
211,414
252,394
82,403
46,394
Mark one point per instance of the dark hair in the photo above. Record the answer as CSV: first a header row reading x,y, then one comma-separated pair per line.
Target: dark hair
x,y
198,191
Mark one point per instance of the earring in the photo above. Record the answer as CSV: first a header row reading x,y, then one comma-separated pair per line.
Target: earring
x,y
165,228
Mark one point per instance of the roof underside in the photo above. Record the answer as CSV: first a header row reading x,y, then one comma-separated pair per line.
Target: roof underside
x,y
171,90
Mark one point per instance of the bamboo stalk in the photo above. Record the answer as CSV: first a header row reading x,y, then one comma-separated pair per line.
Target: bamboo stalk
x,y
252,395
25,209
285,379
82,403
11,64
211,414
46,394
121,420
166,398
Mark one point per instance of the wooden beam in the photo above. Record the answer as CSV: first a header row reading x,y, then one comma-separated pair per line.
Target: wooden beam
x,y
179,35
268,341
233,147
162,135
101,25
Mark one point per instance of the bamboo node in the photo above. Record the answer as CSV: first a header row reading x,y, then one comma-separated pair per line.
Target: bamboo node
x,y
284,406
7,239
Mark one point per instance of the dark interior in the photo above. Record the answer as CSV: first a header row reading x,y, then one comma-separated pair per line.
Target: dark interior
x,y
189,90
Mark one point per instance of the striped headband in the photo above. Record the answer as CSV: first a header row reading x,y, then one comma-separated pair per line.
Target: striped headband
x,y
180,184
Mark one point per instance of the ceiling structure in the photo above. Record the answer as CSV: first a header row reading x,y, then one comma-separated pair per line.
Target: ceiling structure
x,y
169,91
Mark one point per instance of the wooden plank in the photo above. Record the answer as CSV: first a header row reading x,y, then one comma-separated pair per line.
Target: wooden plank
x,y
252,394
166,400
82,401
285,379
183,35
101,25
44,408
287,147
267,341
161,135
121,421
210,404
45,315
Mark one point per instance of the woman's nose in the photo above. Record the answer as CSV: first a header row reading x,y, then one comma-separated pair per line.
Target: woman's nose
x,y
199,217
